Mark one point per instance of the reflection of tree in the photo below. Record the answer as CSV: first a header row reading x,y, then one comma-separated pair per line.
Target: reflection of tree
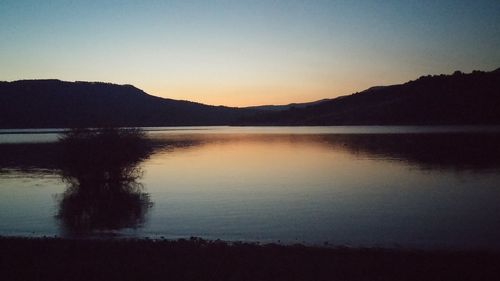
x,y
100,167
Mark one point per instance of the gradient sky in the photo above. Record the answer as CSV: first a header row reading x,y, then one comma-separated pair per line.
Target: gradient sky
x,y
242,53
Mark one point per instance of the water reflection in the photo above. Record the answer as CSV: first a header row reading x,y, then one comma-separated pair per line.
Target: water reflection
x,y
101,170
407,188
457,151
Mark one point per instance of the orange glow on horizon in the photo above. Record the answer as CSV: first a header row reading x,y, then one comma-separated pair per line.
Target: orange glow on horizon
x,y
249,96
281,90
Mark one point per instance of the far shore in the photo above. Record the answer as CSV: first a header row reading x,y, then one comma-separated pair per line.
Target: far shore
x,y
198,259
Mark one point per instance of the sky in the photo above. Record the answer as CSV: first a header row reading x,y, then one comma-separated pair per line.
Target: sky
x,y
243,53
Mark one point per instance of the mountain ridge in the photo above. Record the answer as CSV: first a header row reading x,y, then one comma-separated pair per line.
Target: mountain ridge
x,y
50,103
456,99
273,107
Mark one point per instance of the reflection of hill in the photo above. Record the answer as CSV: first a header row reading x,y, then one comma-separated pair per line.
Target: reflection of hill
x,y
29,157
454,151
47,157
476,151
460,151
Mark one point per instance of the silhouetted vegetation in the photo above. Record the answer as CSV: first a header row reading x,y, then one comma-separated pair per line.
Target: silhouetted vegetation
x,y
196,259
430,100
100,168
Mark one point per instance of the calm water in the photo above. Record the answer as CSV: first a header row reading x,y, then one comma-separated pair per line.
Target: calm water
x,y
417,187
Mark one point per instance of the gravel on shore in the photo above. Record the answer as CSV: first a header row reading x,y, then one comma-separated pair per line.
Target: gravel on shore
x,y
198,259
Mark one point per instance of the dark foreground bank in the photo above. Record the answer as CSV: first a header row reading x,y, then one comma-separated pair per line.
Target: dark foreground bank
x,y
196,259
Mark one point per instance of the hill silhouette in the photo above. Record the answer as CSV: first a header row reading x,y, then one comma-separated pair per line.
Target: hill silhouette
x,y
54,104
430,100
271,107
457,99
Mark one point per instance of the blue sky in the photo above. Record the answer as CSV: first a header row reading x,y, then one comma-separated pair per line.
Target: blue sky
x,y
247,52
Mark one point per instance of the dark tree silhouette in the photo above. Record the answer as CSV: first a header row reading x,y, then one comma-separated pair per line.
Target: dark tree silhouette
x,y
101,169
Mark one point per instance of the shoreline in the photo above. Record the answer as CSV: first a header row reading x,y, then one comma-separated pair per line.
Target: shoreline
x,y
424,248
28,258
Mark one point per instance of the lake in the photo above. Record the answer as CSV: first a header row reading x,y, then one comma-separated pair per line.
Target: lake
x,y
375,186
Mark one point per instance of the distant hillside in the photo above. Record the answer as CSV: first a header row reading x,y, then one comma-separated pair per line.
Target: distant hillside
x,y
54,103
430,100
286,106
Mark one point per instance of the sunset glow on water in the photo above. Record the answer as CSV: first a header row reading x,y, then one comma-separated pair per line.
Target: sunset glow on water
x,y
284,185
